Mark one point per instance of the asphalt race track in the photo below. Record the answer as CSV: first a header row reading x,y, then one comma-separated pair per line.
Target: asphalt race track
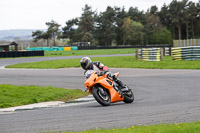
x,y
161,96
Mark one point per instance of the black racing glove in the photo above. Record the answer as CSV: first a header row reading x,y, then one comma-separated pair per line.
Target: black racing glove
x,y
102,72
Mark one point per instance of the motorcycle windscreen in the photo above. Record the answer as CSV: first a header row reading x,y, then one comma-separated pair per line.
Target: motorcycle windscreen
x,y
90,79
88,73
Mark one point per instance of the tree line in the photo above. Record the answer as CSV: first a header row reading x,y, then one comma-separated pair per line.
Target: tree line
x,y
116,26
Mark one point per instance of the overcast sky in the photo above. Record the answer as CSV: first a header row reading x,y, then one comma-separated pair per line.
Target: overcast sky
x,y
33,14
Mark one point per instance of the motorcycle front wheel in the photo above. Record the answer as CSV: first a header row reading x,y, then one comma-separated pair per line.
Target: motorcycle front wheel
x,y
128,97
101,98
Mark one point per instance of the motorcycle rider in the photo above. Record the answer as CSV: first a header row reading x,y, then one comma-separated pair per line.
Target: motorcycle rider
x,y
87,64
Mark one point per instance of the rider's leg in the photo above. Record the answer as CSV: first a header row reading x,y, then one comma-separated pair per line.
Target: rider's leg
x,y
119,82
122,87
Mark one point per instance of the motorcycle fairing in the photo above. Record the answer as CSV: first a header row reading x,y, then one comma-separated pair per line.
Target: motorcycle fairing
x,y
114,95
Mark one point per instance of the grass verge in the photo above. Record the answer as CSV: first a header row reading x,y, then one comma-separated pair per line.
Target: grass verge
x,y
90,52
117,62
11,95
83,52
192,127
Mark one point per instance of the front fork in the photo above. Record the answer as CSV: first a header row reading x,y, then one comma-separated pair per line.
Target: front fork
x,y
100,89
86,90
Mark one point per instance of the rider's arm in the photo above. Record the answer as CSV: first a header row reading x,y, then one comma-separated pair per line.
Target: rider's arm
x,y
101,66
103,69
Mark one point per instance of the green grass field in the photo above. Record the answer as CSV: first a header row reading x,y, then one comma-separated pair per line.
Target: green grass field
x,y
90,52
192,127
117,62
84,52
11,95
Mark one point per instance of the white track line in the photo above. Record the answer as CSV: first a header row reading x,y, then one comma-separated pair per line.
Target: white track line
x,y
2,67
80,101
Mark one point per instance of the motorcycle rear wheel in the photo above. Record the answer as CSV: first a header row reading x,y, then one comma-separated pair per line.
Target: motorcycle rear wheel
x,y
103,99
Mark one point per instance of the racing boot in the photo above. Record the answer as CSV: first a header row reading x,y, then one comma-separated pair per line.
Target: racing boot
x,y
122,87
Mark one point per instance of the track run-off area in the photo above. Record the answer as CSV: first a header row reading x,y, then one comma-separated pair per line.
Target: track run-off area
x,y
161,96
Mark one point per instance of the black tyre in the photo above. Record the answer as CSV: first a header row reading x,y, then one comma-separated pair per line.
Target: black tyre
x,y
103,99
128,97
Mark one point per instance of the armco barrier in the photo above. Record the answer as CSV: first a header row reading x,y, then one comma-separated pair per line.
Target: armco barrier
x,y
21,54
186,53
149,54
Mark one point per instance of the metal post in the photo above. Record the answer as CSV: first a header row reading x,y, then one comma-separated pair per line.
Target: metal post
x,y
137,54
170,51
161,54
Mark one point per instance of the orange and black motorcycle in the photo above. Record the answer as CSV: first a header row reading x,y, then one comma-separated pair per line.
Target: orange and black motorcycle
x,y
105,90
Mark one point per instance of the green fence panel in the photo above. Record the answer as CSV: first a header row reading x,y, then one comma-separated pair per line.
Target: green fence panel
x,y
61,48
47,48
74,48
